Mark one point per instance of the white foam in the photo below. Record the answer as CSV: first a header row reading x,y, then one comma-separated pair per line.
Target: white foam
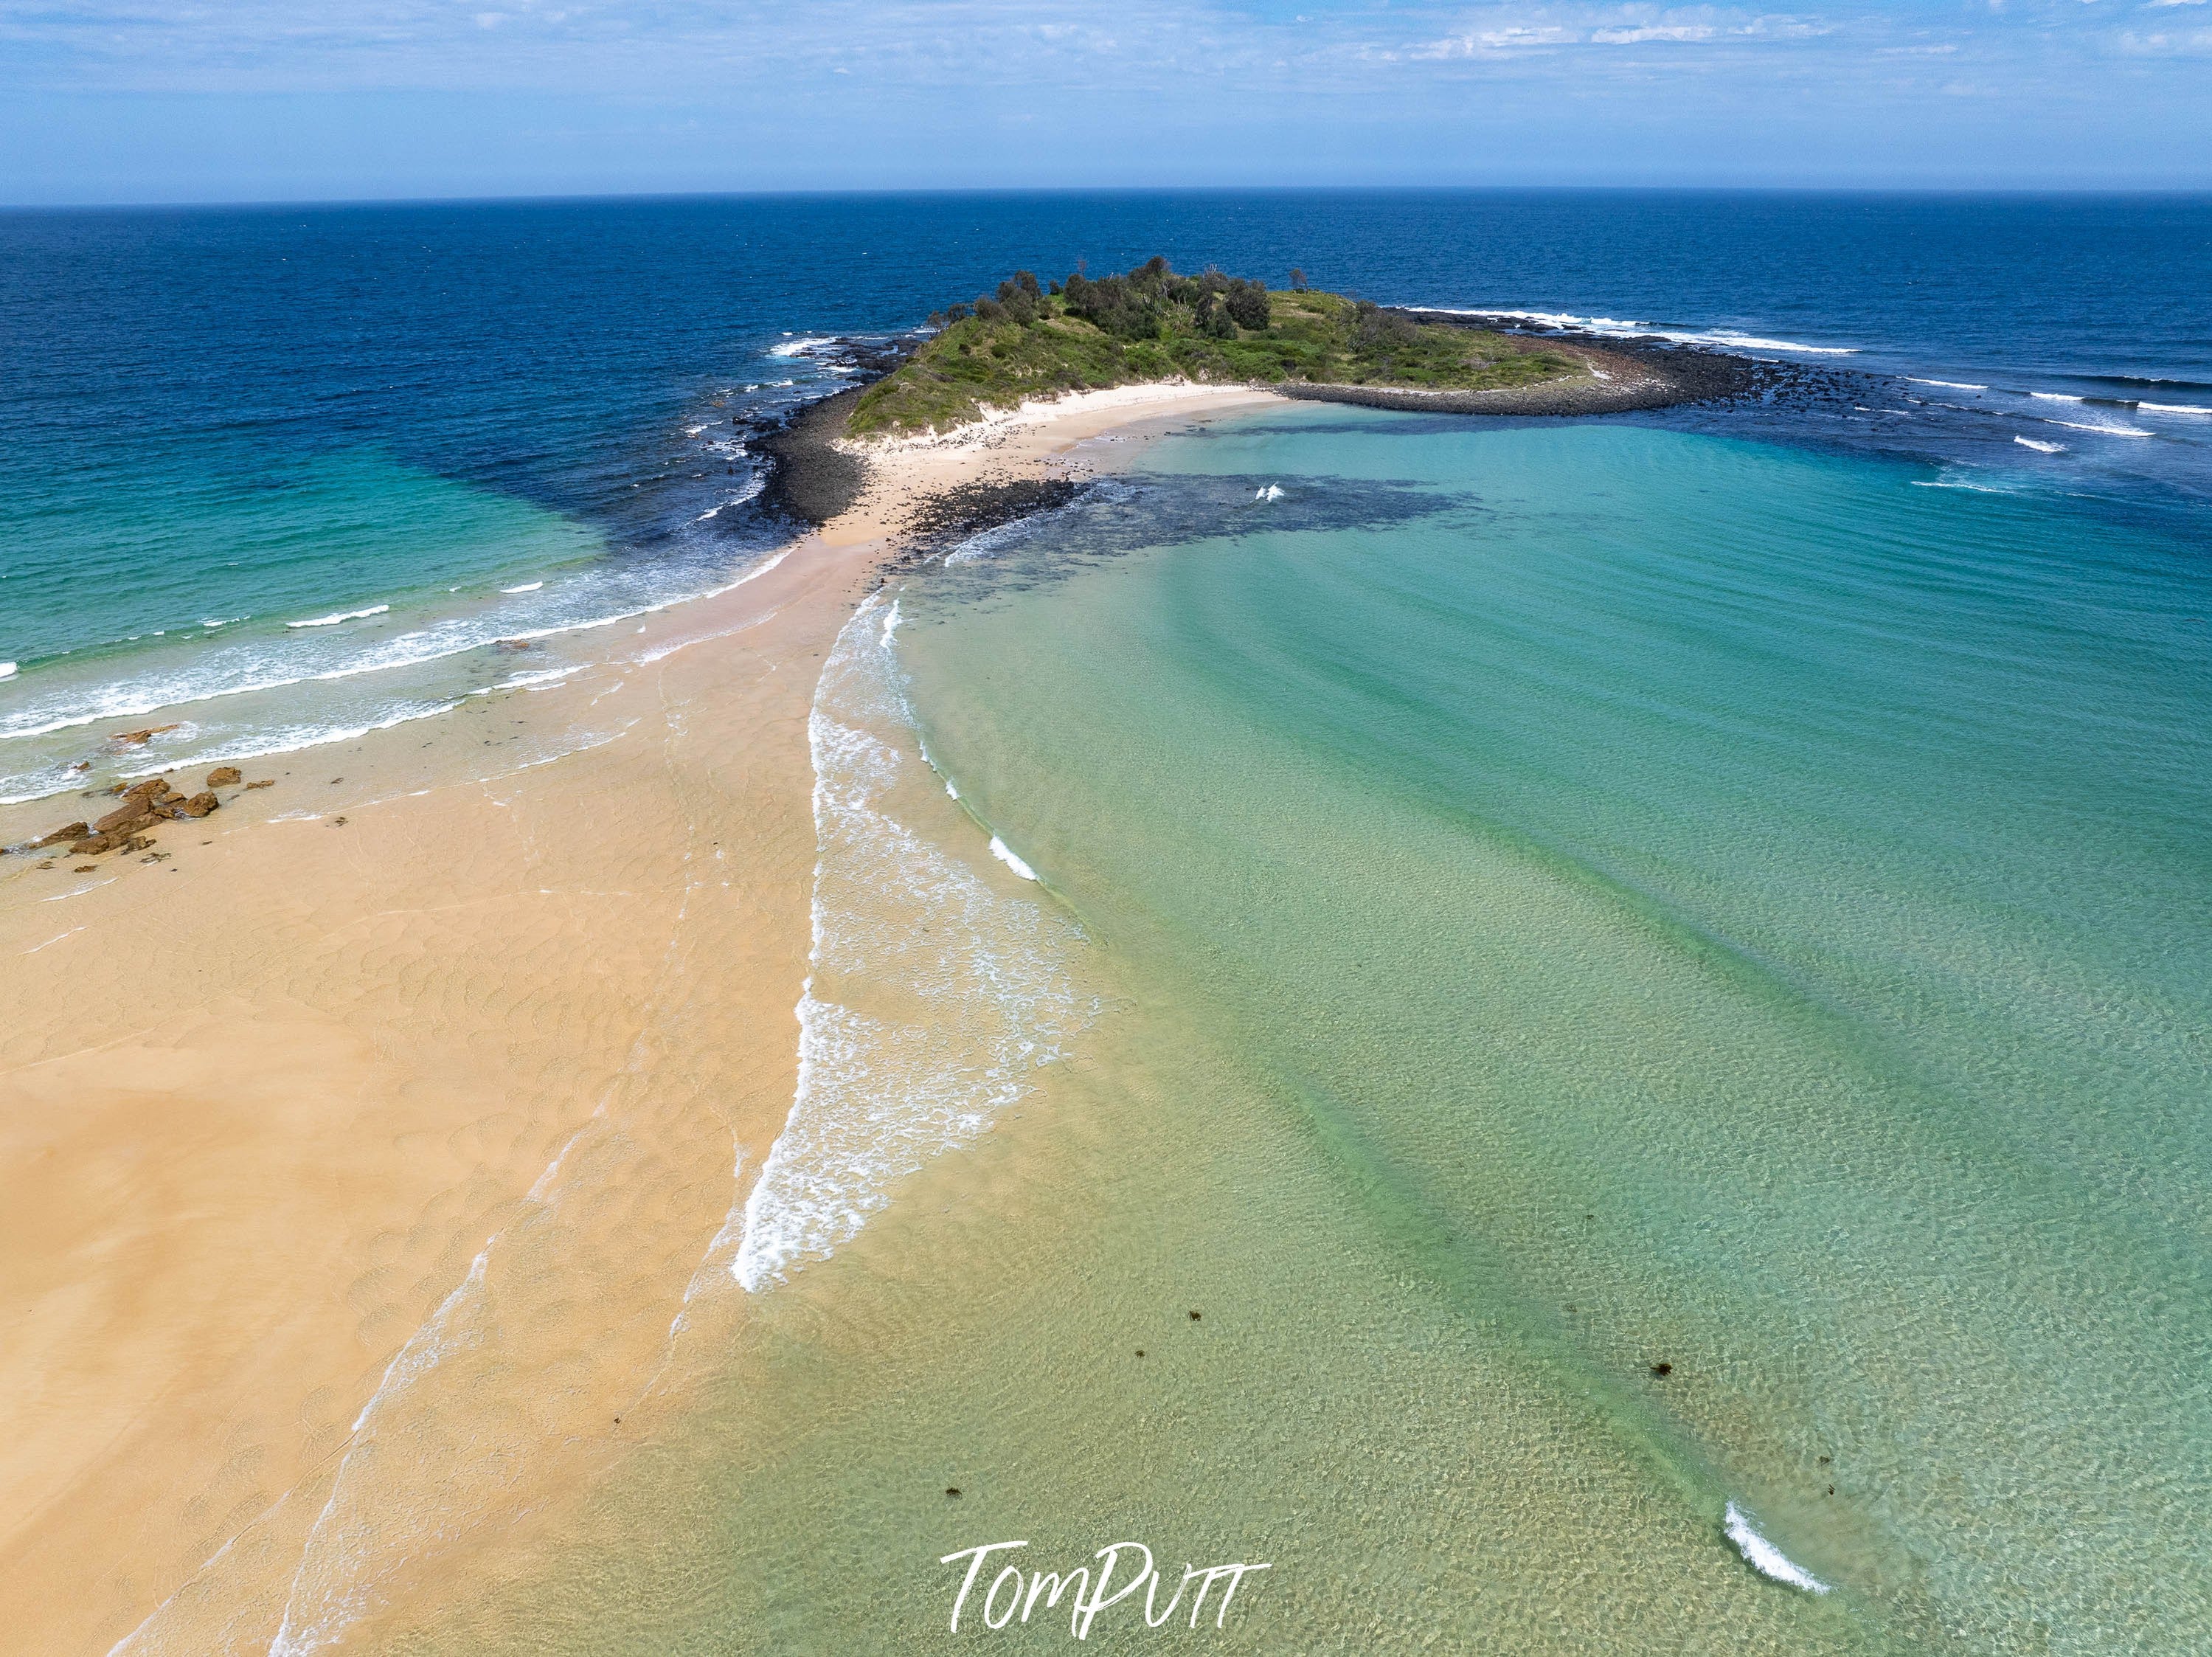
x,y
1272,492
2057,397
2189,409
1614,327
2099,425
342,615
7,670
949,994
521,681
1960,483
2041,448
296,738
1005,855
800,347
1765,1557
457,637
1948,385
326,1594
527,587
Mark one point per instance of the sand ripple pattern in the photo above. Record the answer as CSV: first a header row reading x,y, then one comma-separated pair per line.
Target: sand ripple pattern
x,y
933,998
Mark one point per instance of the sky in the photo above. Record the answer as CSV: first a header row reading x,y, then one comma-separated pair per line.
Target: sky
x,y
193,100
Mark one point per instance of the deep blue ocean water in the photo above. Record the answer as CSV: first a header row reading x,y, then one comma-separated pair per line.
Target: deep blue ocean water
x,y
217,424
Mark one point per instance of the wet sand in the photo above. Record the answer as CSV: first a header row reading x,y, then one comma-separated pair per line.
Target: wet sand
x,y
361,1161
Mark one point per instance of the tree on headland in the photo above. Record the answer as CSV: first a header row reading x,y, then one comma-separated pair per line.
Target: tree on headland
x,y
1018,297
1247,304
1154,323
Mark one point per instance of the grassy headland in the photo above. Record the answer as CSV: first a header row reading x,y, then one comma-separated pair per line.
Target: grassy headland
x,y
1154,324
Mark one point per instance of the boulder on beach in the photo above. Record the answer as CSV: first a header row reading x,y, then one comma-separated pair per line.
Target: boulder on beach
x,y
139,739
92,845
199,805
67,831
223,776
125,819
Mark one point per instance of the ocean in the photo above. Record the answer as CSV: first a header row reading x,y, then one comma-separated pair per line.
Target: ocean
x,y
1579,1034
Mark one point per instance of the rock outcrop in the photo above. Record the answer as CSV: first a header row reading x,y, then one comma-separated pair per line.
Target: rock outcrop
x,y
143,805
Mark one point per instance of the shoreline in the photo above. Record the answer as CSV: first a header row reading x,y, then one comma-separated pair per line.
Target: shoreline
x,y
818,473
468,1016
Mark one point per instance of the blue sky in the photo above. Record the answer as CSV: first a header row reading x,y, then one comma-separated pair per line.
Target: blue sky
x,y
105,100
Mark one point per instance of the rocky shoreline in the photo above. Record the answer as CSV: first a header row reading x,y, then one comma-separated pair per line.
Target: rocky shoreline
x,y
142,807
815,473
1627,375
809,479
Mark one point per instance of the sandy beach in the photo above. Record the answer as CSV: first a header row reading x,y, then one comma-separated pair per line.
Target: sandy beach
x,y
367,1160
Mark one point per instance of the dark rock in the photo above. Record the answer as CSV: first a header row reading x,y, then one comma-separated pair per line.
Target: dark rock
x,y
68,832
953,516
223,776
139,739
953,1490
92,845
1663,1370
265,782
812,480
1193,1317
199,805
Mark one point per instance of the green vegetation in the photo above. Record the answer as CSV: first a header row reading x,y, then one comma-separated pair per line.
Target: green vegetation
x,y
1152,324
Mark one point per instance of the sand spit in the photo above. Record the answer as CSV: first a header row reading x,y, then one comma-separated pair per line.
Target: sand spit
x,y
361,1158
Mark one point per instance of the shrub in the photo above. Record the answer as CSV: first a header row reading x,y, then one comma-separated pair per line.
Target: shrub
x,y
1377,330
1115,304
1247,302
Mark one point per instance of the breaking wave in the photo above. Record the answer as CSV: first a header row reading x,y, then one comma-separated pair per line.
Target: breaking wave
x,y
1616,328
1764,1556
931,1000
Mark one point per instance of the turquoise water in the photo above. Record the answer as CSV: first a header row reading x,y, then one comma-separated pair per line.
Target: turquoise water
x,y
451,424
1520,906
1712,904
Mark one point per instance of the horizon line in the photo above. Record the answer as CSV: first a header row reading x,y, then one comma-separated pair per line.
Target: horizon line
x,y
871,191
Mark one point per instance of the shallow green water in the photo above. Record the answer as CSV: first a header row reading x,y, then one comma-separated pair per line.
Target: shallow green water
x,y
1564,900
1748,897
